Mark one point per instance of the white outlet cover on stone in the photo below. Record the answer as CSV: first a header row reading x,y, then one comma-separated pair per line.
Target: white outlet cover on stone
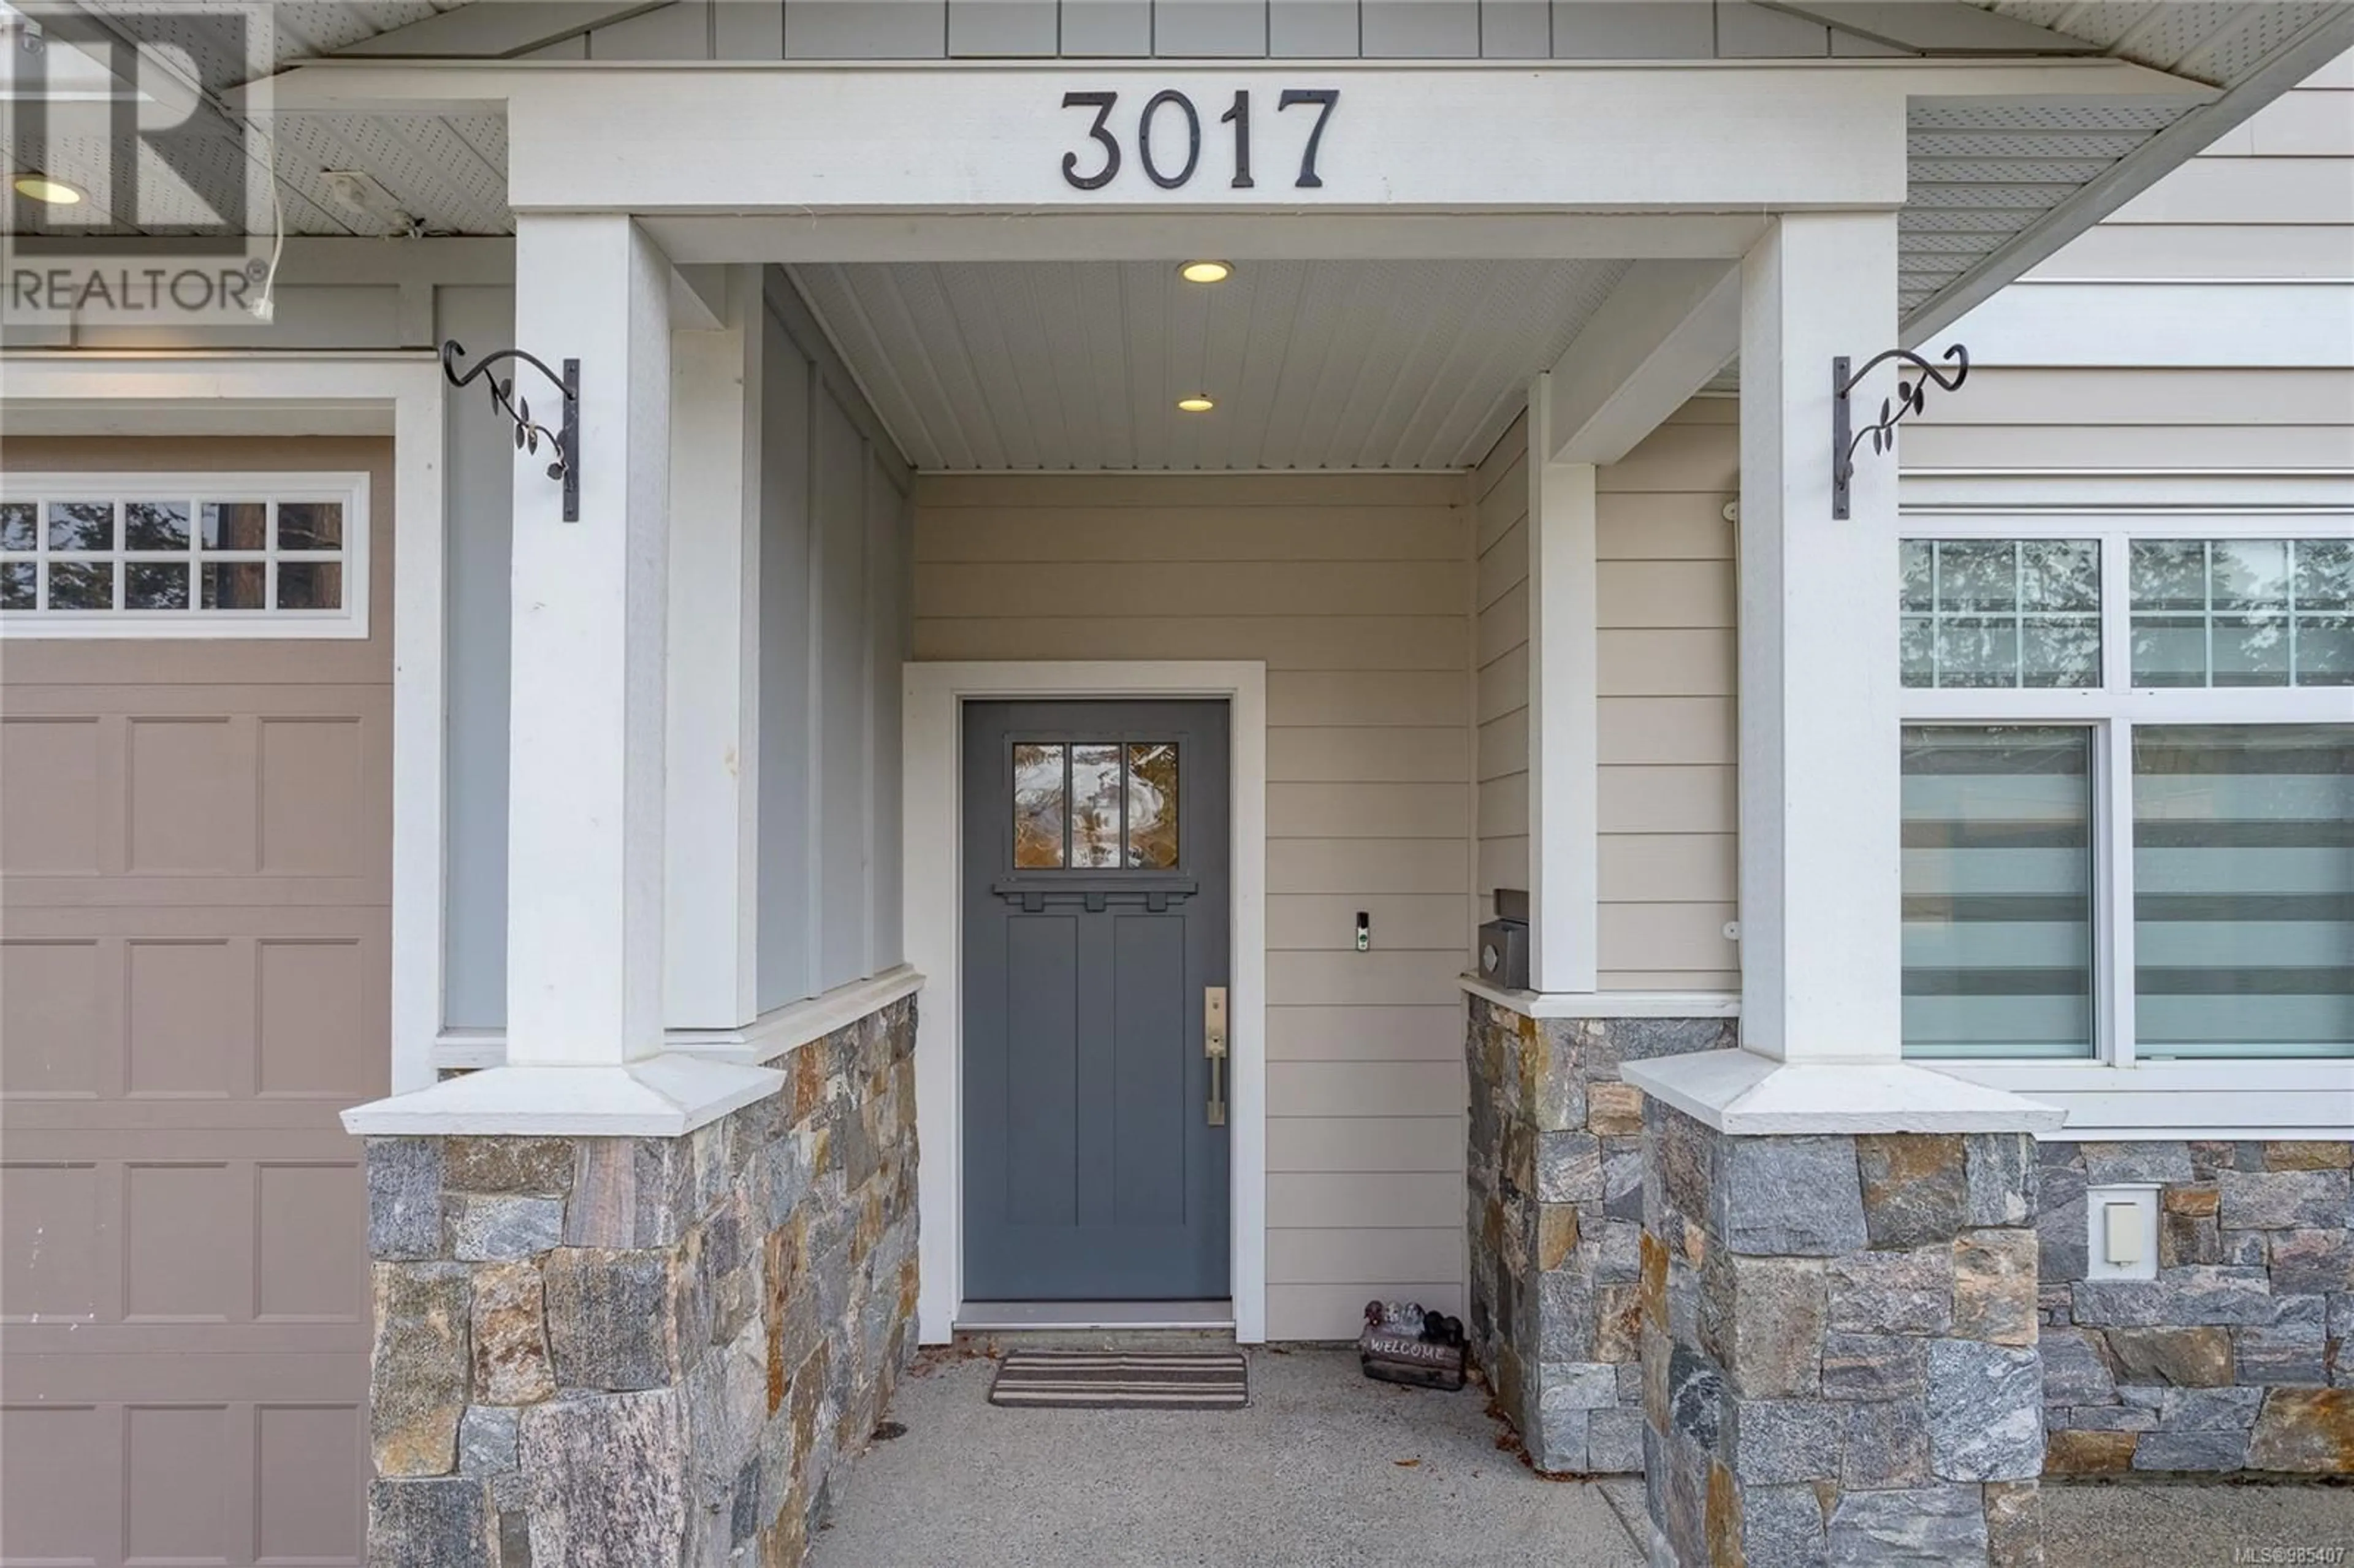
x,y
2121,1231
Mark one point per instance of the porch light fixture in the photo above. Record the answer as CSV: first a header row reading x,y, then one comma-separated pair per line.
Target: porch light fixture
x,y
47,191
565,444
1911,397
1199,403
1207,271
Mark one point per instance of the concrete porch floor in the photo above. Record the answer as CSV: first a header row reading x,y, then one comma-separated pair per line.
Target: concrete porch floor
x,y
1311,1474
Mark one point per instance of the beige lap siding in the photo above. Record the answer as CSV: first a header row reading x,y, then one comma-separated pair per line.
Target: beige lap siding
x,y
1501,650
1667,598
1354,588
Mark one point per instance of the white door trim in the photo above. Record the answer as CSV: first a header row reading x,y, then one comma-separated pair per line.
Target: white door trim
x,y
935,695
331,393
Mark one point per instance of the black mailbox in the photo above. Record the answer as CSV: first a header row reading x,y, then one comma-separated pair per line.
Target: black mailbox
x,y
1504,941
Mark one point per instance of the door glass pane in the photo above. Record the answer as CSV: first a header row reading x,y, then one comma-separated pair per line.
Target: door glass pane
x,y
1153,804
2243,890
1998,892
1094,805
1037,806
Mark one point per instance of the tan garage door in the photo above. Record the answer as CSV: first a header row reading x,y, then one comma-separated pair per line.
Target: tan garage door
x,y
194,862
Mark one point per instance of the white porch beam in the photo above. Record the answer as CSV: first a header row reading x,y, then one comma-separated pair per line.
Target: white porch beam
x,y
1565,812
1665,330
585,860
1821,955
712,784
496,29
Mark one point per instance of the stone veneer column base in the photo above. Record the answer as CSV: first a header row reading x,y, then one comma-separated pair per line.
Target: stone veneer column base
x,y
647,1350
1554,1169
1838,1342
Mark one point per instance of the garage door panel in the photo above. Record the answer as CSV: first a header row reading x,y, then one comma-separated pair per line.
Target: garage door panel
x,y
54,1008
142,795
57,1500
194,930
158,1242
56,1217
191,791
312,779
171,1480
321,1031
49,775
186,1017
199,1003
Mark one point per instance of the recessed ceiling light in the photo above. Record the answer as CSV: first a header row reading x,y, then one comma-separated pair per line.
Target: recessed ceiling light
x,y
1199,403
53,193
1207,271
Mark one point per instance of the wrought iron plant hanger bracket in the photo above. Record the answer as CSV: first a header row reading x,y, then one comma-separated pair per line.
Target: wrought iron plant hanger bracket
x,y
528,433
1911,397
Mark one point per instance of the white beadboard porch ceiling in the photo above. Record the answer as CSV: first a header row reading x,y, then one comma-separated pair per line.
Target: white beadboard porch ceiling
x,y
1313,364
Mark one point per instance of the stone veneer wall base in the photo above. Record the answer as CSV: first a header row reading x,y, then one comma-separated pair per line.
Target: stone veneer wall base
x,y
1838,1348
2240,1354
645,1351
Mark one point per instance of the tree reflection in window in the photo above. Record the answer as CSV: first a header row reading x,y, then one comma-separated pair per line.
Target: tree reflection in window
x,y
1037,807
1153,804
1094,805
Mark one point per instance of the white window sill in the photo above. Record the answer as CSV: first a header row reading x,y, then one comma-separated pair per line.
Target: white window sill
x,y
2278,1099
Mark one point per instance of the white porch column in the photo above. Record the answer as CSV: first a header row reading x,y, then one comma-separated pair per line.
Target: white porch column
x,y
1820,931
1565,812
584,855
712,788
586,860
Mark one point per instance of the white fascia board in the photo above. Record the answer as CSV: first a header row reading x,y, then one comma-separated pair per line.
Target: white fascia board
x,y
493,29
1935,26
1665,331
1743,1093
2287,324
946,236
2325,40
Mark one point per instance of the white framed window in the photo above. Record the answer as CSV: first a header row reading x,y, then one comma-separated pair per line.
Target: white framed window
x,y
265,555
2128,786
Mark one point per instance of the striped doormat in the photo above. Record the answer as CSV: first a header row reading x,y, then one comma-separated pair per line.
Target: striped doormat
x,y
1123,1380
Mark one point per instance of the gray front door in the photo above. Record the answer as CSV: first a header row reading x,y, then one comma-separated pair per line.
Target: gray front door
x,y
1095,916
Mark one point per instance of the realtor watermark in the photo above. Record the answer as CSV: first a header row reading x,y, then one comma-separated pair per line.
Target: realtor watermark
x,y
116,135
2289,1556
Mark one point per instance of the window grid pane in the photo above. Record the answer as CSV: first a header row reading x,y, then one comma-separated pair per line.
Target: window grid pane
x,y
2241,612
2000,613
148,558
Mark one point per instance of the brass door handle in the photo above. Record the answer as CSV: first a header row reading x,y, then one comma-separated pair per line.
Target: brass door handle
x,y
1213,1046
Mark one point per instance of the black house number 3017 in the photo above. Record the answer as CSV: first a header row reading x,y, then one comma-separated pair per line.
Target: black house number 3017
x,y
1170,105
